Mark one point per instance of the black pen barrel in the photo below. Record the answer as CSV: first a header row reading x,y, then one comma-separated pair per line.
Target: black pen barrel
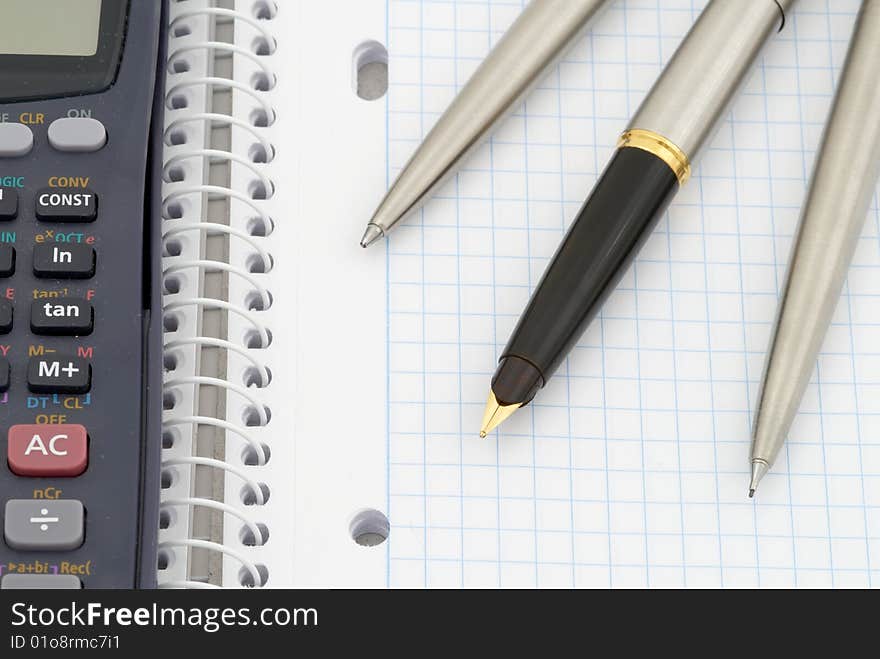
x,y
654,158
632,194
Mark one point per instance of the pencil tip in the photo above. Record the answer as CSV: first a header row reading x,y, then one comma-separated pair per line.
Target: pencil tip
x,y
496,414
371,235
759,468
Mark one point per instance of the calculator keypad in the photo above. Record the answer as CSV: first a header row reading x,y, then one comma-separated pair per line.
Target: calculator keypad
x,y
47,266
80,305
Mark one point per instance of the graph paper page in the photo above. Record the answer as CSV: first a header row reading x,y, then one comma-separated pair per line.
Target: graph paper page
x,y
630,468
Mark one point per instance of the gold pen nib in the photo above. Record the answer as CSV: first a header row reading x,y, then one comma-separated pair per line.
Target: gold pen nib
x,y
496,414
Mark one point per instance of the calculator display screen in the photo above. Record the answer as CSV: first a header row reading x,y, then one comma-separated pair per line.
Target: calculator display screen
x,y
67,28
54,48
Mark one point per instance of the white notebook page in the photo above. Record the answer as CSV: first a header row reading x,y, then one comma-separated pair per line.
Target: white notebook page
x,y
630,468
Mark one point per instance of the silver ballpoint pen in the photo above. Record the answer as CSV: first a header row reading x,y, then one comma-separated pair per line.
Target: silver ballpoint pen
x,y
844,180
537,39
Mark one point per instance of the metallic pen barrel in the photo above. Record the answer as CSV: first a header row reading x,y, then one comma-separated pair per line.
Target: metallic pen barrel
x,y
654,159
539,38
697,87
844,180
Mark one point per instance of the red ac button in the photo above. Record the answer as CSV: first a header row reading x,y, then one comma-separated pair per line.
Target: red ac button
x,y
45,450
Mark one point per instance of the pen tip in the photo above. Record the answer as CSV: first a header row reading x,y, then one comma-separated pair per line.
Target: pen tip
x,y
496,414
751,493
371,235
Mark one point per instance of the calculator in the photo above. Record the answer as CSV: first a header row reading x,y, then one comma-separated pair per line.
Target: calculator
x,y
81,120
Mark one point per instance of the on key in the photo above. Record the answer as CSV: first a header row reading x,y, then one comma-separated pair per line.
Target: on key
x,y
67,205
56,261
62,317
59,375
8,204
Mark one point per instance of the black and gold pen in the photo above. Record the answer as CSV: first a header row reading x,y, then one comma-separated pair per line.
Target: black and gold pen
x,y
653,160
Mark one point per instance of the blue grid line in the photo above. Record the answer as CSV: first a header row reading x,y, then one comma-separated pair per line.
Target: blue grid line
x,y
747,536
743,325
495,345
603,329
530,468
458,292
532,282
776,287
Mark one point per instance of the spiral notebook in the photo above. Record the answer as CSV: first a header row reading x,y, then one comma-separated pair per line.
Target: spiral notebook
x,y
321,398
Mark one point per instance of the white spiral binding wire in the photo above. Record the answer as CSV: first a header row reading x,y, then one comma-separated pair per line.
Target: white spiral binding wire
x,y
190,78
237,431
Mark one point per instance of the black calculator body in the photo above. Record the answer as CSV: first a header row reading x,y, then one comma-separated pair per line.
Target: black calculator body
x,y
81,121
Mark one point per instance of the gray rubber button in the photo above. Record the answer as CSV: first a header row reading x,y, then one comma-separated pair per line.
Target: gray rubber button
x,y
39,525
77,135
40,582
16,140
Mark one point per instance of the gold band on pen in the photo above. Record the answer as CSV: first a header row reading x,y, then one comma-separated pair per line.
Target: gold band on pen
x,y
658,145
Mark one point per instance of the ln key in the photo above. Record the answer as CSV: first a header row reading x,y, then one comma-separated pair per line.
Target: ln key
x,y
64,261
